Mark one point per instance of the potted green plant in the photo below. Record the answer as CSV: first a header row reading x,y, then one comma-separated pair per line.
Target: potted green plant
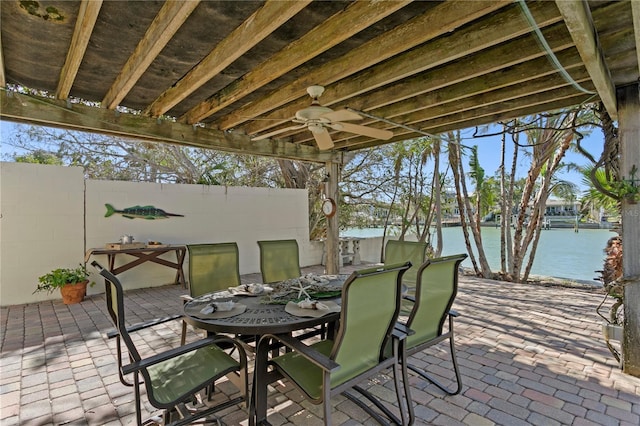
x,y
72,283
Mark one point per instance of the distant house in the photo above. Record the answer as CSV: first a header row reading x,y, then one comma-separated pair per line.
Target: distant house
x,y
562,208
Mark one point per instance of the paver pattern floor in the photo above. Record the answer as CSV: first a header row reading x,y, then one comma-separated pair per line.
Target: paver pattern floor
x,y
529,355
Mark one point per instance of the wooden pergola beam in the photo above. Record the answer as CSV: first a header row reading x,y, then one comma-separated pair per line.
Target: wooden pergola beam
x,y
635,13
525,78
164,26
58,113
3,78
87,16
505,97
478,117
340,27
439,20
629,134
441,52
516,55
259,25
577,17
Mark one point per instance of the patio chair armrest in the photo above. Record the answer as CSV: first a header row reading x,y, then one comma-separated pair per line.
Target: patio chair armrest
x,y
401,331
172,353
308,352
141,325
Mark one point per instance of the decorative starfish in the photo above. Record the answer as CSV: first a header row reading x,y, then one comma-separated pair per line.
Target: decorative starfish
x,y
302,290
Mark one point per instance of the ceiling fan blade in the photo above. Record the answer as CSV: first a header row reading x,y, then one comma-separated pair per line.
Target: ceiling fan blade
x,y
372,132
342,115
277,132
323,139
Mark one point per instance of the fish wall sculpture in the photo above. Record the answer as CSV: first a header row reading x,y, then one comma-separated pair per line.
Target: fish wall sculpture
x,y
140,212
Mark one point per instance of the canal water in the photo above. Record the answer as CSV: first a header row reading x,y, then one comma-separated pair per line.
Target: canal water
x,y
561,253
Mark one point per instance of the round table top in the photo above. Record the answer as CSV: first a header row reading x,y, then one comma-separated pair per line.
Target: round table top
x,y
258,319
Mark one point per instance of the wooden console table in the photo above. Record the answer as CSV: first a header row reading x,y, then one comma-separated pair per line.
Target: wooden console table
x,y
142,255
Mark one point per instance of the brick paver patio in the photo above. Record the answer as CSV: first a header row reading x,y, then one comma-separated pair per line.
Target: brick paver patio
x,y
529,355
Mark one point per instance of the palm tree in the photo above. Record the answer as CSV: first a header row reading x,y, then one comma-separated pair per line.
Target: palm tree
x,y
592,197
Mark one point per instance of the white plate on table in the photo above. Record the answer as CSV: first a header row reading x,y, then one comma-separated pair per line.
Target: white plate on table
x,y
244,290
196,310
294,309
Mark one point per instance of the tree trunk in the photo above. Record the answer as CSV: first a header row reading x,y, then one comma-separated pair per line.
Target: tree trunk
x,y
464,206
437,197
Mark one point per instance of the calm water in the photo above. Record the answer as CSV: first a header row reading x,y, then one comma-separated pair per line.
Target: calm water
x,y
561,252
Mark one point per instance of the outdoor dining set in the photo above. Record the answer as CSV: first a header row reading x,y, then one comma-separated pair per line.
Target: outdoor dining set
x,y
325,334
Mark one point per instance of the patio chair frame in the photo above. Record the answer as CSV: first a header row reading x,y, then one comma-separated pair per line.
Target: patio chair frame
x,y
272,252
428,334
402,251
177,406
325,354
222,274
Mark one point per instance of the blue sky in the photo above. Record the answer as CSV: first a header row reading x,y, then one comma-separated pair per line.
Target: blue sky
x,y
489,153
488,150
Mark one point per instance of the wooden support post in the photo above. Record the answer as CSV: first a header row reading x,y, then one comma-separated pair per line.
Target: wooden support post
x,y
333,232
629,126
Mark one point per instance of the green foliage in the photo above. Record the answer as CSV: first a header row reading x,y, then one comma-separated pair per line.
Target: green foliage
x,y
592,197
60,277
606,192
628,189
39,157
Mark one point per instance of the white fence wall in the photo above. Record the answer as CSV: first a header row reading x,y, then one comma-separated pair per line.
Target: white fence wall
x,y
51,215
41,226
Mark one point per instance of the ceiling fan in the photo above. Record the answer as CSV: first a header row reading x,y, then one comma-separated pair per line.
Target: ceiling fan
x,y
318,119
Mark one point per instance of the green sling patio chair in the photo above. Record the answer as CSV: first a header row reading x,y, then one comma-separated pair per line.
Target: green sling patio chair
x,y
370,308
402,251
279,260
435,294
212,267
174,378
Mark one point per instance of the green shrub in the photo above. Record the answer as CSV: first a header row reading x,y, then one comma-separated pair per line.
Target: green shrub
x,y
61,277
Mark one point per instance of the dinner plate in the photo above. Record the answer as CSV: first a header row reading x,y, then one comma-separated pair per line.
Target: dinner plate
x,y
326,294
294,309
194,310
238,291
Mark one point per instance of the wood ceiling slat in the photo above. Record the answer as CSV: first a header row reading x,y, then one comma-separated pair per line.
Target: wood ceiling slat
x,y
463,103
3,79
162,29
87,16
550,106
501,57
492,114
635,13
504,96
259,25
356,17
439,20
436,64
520,74
577,17
543,104
49,112
464,42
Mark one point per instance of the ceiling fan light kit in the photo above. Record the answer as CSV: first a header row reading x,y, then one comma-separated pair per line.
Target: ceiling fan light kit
x,y
316,128
318,119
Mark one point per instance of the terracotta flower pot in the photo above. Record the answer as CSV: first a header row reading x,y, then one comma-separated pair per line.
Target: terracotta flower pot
x,y
73,293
